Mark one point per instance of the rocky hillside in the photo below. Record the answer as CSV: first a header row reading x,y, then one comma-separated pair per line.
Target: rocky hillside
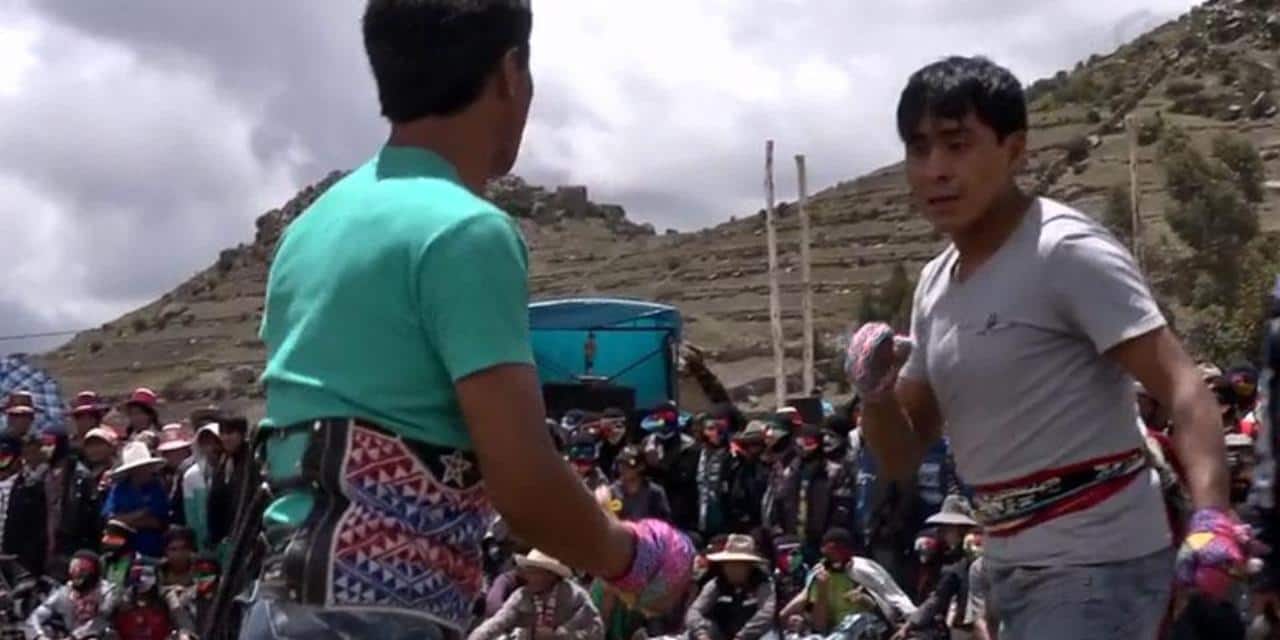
x,y
1214,69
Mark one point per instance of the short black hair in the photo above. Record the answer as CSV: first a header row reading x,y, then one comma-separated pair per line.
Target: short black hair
x,y
838,535
233,424
432,57
956,86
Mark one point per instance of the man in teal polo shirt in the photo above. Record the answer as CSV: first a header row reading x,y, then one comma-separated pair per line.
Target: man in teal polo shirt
x,y
399,367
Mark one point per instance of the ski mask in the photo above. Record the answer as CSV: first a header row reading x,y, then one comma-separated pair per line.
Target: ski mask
x,y
83,572
927,549
837,549
973,545
663,422
834,445
142,579
809,442
206,577
715,431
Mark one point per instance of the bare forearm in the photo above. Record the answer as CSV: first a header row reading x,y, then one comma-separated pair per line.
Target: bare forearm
x,y
529,484
1197,438
571,526
892,438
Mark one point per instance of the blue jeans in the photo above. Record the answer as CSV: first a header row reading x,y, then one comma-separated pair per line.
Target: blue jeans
x,y
269,619
1114,601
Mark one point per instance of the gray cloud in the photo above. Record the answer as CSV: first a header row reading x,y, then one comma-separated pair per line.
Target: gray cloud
x,y
145,135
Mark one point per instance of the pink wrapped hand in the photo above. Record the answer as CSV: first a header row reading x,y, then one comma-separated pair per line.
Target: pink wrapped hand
x,y
873,358
661,567
1213,555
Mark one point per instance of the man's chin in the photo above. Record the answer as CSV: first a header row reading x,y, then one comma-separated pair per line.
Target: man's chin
x,y
948,223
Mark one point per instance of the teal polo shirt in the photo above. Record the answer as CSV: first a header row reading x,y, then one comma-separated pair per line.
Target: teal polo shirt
x,y
393,286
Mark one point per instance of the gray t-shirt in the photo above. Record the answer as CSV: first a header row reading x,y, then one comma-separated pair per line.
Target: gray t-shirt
x,y
1014,355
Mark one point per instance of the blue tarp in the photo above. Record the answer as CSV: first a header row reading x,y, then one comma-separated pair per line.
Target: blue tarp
x,y
16,374
635,344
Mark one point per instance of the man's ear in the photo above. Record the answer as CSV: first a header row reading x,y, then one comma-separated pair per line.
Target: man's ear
x,y
511,73
1016,143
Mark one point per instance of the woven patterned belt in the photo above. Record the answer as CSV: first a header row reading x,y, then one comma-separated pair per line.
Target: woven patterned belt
x,y
1008,507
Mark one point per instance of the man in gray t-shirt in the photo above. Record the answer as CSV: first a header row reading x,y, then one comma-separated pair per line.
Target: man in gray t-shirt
x,y
1026,335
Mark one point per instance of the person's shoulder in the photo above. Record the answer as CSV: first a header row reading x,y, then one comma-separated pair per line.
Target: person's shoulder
x,y
931,274
1063,224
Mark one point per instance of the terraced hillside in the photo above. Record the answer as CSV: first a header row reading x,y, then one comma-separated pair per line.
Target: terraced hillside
x,y
1212,70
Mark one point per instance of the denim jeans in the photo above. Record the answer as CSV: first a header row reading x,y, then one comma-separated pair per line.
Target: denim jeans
x,y
1114,601
270,619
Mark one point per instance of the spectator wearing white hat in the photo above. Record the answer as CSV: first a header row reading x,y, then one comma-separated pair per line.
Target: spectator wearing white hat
x,y
550,606
739,601
138,498
943,610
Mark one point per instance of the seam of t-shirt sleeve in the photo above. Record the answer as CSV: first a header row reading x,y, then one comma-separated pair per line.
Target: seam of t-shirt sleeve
x,y
1154,318
1152,321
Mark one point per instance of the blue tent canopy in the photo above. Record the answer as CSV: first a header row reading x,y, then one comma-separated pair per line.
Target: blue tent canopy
x,y
633,344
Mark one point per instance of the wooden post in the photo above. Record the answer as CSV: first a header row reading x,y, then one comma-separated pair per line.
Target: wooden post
x,y
1135,196
806,281
775,302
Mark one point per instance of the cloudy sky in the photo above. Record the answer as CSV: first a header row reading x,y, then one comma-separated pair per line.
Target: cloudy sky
x,y
140,137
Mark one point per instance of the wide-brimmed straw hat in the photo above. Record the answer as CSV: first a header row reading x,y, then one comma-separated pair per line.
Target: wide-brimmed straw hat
x,y
738,548
955,511
136,455
539,560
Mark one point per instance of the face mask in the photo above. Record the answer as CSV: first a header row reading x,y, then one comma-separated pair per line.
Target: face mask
x,y
973,545
142,579
714,431
583,453
613,430
112,542
206,580
835,558
809,447
82,573
927,549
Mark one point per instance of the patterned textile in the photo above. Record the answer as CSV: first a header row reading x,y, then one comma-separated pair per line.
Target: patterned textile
x,y
661,568
711,486
409,537
1213,554
16,374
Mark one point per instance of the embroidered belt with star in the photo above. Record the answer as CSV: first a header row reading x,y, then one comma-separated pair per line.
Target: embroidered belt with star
x,y
396,525
1006,508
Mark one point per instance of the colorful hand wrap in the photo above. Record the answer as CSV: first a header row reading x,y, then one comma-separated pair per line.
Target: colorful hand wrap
x,y
1213,554
661,568
869,363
